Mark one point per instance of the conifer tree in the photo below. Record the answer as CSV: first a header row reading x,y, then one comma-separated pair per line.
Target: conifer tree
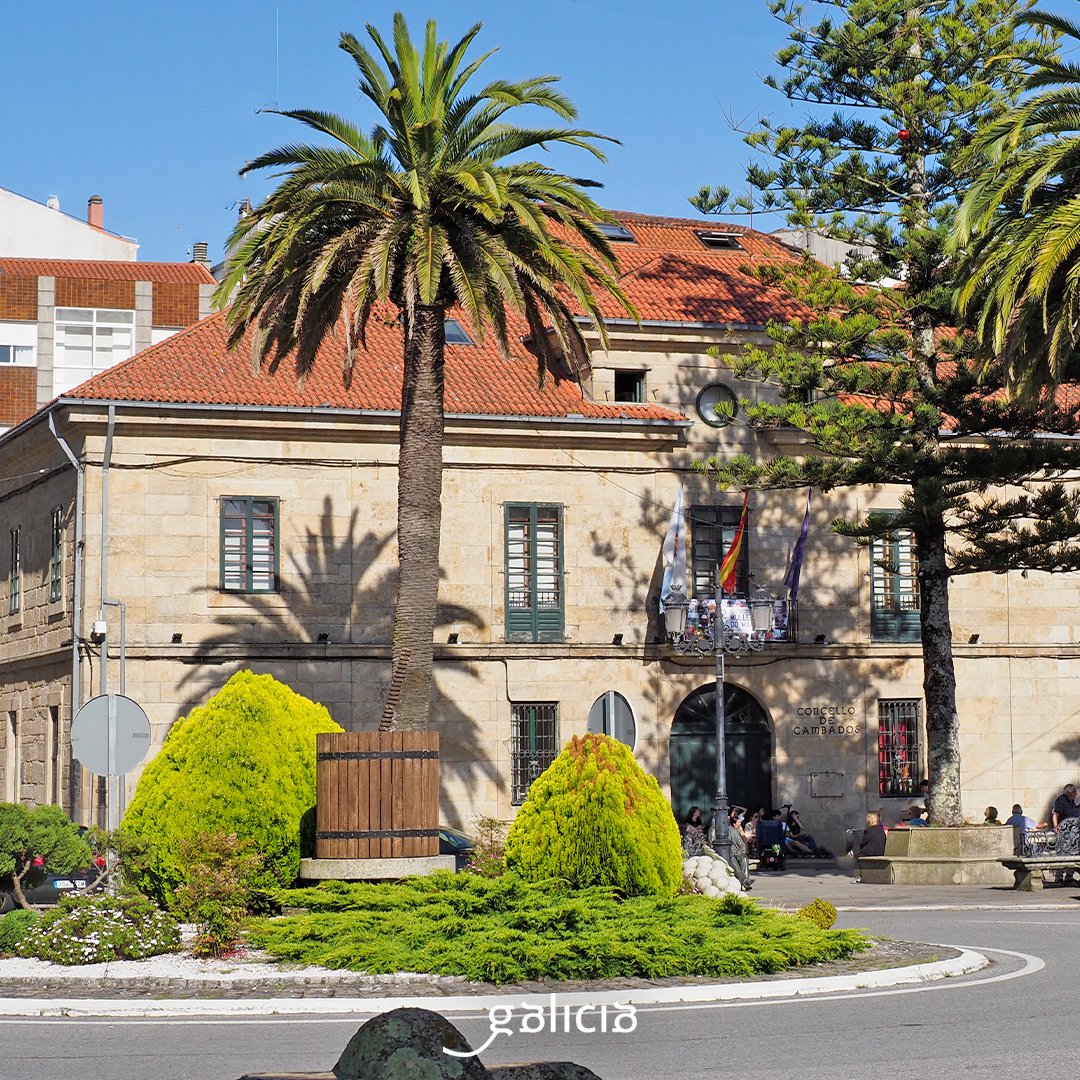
x,y
886,391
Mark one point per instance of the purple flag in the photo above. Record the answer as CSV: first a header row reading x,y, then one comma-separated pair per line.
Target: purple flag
x,y
791,578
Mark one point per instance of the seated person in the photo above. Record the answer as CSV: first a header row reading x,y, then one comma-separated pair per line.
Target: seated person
x,y
800,843
913,818
1021,820
873,837
693,839
990,816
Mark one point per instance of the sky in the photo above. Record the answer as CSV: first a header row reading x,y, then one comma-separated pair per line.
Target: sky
x,y
155,107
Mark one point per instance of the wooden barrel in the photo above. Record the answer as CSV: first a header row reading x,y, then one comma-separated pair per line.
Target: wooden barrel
x,y
376,794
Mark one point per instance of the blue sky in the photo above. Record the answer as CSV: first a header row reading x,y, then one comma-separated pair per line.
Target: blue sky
x,y
153,106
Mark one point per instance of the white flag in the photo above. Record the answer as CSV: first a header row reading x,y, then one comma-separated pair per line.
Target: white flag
x,y
674,553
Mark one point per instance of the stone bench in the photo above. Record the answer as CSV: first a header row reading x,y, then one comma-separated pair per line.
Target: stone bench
x,y
1028,869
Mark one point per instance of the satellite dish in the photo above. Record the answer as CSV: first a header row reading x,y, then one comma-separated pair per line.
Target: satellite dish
x,y
53,203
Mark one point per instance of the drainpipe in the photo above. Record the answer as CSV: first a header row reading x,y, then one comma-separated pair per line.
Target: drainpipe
x,y
77,599
114,784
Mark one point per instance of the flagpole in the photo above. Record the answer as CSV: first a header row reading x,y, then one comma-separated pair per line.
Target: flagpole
x,y
721,817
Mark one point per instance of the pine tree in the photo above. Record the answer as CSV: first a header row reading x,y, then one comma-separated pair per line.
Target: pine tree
x,y
887,393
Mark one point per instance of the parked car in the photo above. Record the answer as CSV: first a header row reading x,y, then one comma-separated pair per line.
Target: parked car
x,y
455,842
42,886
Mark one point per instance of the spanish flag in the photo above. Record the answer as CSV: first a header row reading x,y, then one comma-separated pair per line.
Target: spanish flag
x,y
728,577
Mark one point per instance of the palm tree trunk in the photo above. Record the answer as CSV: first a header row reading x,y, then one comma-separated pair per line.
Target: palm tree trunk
x,y
419,520
939,676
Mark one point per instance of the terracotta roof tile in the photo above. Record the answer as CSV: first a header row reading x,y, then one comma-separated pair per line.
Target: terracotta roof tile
x,y
668,273
109,270
195,366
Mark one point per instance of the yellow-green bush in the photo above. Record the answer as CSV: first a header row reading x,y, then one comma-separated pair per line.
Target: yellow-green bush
x,y
595,818
819,912
243,763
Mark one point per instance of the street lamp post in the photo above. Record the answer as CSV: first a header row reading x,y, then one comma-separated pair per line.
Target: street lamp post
x,y
712,635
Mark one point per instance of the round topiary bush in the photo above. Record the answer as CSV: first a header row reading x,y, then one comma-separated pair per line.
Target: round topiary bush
x,y
819,912
595,818
242,764
14,926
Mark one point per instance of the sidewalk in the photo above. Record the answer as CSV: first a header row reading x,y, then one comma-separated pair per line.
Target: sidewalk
x,y
835,880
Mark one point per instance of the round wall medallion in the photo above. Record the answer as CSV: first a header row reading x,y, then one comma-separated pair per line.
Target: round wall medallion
x,y
717,405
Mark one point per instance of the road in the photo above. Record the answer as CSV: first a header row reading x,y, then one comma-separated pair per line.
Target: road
x,y
983,1025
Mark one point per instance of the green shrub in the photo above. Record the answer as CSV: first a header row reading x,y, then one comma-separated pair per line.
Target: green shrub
x,y
489,851
243,763
506,930
14,926
593,817
98,929
820,913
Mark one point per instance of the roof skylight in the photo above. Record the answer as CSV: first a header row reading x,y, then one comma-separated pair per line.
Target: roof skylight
x,y
620,234
456,334
723,241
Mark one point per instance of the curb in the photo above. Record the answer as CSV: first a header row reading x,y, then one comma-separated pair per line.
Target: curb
x,y
966,963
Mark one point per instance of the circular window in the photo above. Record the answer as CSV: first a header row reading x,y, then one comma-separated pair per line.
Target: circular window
x,y
717,405
611,715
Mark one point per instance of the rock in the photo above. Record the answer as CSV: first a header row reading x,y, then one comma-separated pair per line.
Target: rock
x,y
407,1044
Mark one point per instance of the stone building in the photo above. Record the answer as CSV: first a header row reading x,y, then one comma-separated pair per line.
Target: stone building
x,y
240,521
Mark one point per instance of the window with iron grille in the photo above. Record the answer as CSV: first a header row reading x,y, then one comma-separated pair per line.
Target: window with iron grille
x,y
534,744
15,578
899,752
894,588
534,573
712,529
249,545
56,534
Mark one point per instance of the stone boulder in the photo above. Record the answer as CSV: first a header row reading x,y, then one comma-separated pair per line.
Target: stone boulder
x,y
408,1044
711,875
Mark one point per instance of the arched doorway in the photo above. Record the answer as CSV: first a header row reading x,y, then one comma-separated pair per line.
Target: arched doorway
x,y
692,749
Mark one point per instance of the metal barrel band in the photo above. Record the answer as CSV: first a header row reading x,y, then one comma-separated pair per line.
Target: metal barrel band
x,y
374,755
373,834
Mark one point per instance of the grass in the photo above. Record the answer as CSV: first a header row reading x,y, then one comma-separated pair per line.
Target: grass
x,y
504,930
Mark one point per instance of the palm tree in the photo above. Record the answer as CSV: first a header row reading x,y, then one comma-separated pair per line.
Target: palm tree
x,y
437,208
1020,224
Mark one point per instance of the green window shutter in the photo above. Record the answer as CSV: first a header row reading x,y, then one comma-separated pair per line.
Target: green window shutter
x,y
535,609
249,550
894,588
56,529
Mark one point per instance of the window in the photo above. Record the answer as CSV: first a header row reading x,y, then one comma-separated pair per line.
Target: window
x,y
534,575
712,529
456,334
894,588
53,778
249,545
717,405
611,715
630,386
898,747
723,241
16,354
56,581
618,234
89,341
15,578
534,743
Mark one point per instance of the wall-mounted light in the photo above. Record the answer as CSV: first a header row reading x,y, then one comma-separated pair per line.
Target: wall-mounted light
x,y
617,639
177,638
452,639
322,639
974,639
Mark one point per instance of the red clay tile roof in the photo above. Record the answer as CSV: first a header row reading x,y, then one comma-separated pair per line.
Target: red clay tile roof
x,y
668,273
194,366
109,270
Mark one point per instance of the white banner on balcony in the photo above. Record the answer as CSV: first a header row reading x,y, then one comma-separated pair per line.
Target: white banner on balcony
x,y
674,553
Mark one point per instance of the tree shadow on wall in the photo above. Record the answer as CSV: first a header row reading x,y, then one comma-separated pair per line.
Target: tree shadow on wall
x,y
333,588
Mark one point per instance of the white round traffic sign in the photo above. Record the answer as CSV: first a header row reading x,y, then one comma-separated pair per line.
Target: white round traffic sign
x,y
90,734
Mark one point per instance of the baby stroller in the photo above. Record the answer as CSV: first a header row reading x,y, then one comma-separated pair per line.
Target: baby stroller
x,y
770,845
